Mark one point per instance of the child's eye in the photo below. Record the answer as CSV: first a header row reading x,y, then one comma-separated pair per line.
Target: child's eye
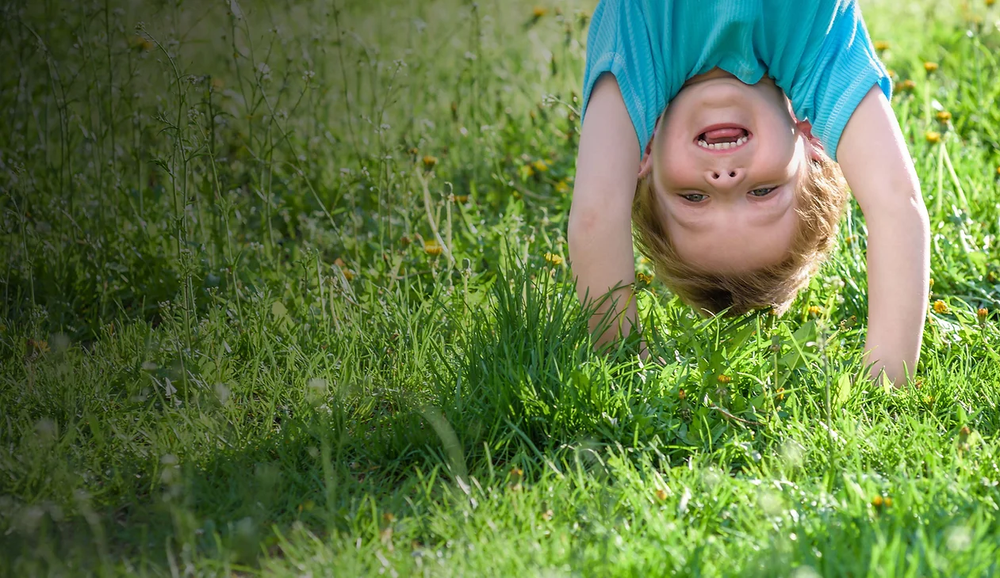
x,y
695,197
762,192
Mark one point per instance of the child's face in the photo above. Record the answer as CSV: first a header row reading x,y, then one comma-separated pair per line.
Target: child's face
x,y
729,159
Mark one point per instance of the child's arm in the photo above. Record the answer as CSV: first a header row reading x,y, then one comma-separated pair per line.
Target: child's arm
x,y
879,170
600,219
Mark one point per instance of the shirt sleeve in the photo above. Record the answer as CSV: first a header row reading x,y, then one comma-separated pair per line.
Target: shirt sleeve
x,y
619,42
828,90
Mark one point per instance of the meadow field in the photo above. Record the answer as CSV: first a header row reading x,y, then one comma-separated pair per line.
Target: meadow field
x,y
286,292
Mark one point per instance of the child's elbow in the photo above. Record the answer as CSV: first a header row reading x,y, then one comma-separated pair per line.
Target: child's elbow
x,y
582,221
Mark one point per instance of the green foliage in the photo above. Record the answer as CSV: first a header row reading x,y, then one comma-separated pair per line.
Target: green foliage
x,y
285,291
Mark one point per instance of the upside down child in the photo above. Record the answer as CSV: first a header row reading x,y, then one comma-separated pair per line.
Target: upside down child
x,y
723,131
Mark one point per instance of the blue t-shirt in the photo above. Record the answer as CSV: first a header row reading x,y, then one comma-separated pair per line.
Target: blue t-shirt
x,y
818,52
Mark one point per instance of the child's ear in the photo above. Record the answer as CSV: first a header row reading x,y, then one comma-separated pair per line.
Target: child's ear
x,y
646,164
815,148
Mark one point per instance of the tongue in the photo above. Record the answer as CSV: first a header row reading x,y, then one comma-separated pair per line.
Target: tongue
x,y
721,135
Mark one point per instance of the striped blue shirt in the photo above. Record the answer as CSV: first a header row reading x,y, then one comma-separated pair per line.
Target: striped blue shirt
x,y
817,51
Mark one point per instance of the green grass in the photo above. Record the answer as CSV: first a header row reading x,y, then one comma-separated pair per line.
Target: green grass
x,y
224,349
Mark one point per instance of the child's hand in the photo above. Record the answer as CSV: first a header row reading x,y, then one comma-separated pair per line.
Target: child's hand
x,y
600,220
879,170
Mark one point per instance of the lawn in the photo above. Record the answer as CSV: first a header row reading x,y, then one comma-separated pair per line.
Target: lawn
x,y
286,292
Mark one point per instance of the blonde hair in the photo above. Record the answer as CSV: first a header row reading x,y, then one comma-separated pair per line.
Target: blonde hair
x,y
820,198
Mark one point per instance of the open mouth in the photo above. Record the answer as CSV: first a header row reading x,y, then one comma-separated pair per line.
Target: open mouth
x,y
720,138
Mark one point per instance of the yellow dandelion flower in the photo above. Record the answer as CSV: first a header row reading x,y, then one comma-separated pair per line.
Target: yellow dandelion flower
x,y
881,45
887,501
998,171
432,248
562,187
661,494
429,161
877,501
141,43
933,136
540,166
554,259
907,85
459,198
930,283
981,314
644,277
930,66
724,378
990,2
892,73
539,11
681,394
944,116
815,310
940,306
38,345
348,274
781,393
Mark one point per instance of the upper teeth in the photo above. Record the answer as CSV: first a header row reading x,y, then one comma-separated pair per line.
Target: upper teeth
x,y
723,145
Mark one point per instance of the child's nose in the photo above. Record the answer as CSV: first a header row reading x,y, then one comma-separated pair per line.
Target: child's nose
x,y
725,178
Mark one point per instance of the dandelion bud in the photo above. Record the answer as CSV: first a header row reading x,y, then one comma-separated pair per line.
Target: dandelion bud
x,y
933,137
930,67
981,314
432,248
